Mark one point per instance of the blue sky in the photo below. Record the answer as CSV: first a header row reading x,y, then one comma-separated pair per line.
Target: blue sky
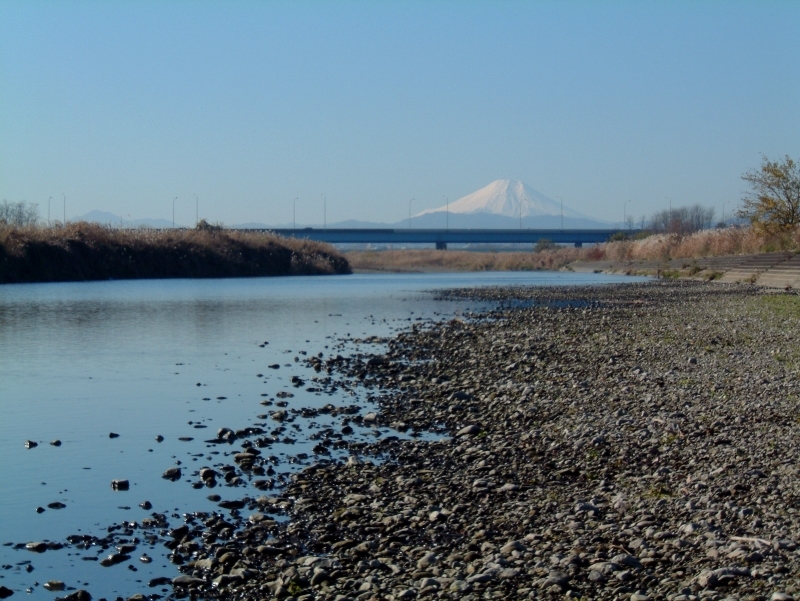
x,y
123,106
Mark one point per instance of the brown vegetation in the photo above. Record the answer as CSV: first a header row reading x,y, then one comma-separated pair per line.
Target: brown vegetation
x,y
461,260
83,251
658,247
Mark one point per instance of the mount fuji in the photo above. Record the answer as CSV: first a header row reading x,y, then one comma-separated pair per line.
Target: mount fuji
x,y
504,204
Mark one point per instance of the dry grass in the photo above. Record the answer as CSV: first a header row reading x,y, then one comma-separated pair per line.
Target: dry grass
x,y
460,260
659,247
706,243
84,251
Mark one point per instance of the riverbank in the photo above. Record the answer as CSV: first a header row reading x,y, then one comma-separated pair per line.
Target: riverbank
x,y
712,252
616,442
83,251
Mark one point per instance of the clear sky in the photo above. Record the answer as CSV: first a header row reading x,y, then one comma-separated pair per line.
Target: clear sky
x,y
122,106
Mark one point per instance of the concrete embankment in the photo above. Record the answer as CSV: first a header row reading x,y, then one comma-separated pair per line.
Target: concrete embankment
x,y
620,442
770,270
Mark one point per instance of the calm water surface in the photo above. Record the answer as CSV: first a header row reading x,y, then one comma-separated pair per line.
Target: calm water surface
x,y
155,357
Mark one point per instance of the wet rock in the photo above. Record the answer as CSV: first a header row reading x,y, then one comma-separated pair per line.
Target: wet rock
x,y
56,505
30,444
173,474
55,443
36,547
5,592
120,485
146,505
79,595
54,585
113,435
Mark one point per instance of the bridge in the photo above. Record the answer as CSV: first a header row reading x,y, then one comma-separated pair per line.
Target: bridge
x,y
442,237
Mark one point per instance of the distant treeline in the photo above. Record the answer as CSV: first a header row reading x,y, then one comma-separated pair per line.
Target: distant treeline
x,y
83,251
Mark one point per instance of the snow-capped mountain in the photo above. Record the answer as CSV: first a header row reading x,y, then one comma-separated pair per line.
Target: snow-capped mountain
x,y
510,198
503,204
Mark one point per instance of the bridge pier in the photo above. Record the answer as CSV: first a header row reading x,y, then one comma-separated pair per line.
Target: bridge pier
x,y
441,246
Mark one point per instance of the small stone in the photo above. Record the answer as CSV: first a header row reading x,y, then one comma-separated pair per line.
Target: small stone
x,y
5,592
639,596
55,443
29,444
36,547
147,505
777,596
120,485
79,595
172,474
54,585
159,438
113,435
469,430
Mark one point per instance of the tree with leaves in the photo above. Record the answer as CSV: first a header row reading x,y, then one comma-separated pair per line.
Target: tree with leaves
x,y
774,196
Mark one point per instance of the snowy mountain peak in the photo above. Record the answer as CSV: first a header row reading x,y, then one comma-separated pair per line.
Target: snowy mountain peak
x,y
507,197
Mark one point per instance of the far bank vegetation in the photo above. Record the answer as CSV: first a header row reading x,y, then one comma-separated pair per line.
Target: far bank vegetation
x,y
85,251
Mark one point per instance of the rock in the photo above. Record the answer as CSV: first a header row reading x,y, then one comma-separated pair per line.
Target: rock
x,y
54,585
36,547
427,560
120,485
79,595
468,430
159,438
185,581
777,596
113,435
146,505
5,592
626,560
56,505
55,443
30,444
172,474
114,559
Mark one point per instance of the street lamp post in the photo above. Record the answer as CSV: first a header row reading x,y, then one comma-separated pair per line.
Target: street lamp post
x,y
409,213
173,212
624,214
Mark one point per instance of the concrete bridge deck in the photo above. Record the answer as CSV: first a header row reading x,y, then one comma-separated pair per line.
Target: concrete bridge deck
x,y
442,237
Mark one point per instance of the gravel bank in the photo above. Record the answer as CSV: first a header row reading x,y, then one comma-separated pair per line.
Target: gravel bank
x,y
623,442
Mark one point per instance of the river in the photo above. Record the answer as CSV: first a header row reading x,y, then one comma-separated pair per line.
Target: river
x,y
178,359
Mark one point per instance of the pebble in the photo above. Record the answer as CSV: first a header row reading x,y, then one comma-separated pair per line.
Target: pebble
x,y
572,449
